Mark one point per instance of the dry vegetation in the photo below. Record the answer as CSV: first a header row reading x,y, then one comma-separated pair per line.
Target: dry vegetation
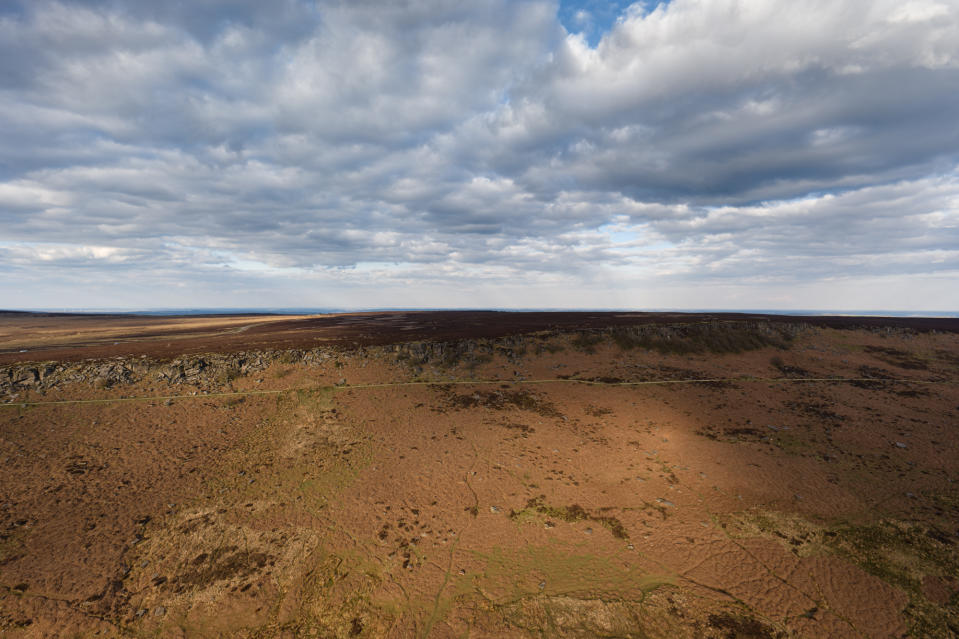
x,y
546,485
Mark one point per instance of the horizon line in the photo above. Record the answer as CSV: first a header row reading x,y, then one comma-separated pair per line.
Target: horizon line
x,y
313,310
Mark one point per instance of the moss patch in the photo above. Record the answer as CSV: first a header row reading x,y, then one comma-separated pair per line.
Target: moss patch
x,y
569,514
502,399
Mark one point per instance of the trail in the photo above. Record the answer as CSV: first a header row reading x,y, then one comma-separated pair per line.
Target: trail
x,y
489,382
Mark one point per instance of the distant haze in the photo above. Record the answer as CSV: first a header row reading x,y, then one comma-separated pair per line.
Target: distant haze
x,y
693,154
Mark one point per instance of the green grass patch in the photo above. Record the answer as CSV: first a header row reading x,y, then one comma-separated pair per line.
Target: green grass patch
x,y
900,553
510,575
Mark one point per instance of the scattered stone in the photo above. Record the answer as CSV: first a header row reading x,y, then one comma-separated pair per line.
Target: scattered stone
x,y
900,445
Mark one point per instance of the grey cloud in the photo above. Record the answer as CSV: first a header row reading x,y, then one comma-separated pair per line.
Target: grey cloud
x,y
906,227
204,20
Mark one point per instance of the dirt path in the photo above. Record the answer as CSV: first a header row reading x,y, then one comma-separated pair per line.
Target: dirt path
x,y
493,382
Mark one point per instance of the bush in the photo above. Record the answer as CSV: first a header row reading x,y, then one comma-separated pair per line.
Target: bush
x,y
587,342
715,337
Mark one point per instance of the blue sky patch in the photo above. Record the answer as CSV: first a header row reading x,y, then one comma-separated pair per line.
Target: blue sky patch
x,y
594,18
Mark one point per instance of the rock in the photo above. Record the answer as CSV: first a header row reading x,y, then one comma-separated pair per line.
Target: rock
x,y
159,611
901,445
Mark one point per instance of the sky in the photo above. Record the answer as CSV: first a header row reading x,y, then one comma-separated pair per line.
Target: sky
x,y
794,154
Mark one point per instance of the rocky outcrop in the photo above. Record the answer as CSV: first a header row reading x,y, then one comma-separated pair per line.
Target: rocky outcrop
x,y
200,370
215,370
468,352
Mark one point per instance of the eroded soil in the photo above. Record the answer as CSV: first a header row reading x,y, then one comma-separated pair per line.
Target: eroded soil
x,y
792,485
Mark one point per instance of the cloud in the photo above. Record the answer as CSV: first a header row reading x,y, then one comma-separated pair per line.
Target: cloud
x,y
741,101
437,146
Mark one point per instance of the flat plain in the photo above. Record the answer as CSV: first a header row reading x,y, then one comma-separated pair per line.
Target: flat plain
x,y
468,474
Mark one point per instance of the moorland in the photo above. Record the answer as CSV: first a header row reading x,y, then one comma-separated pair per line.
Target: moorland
x,y
451,474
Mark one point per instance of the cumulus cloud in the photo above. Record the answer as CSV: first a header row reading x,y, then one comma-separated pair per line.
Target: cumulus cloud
x,y
333,153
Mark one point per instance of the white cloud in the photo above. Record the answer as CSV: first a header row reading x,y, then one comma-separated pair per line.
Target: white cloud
x,y
442,145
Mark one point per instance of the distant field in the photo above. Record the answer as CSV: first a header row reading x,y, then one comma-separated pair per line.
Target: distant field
x,y
33,337
27,336
479,474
